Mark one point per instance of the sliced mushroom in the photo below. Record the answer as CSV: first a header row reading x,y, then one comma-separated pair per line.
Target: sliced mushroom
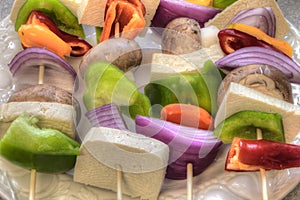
x,y
42,93
181,36
264,78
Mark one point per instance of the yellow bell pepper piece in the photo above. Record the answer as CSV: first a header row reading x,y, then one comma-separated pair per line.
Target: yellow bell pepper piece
x,y
201,2
281,45
35,35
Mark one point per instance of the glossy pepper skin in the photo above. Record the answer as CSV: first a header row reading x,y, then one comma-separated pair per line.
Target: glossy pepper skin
x,y
199,89
251,155
79,46
232,40
34,35
64,19
128,15
222,3
46,150
243,124
106,83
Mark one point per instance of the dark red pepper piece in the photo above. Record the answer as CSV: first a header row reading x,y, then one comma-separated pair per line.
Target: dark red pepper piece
x,y
251,155
232,40
79,46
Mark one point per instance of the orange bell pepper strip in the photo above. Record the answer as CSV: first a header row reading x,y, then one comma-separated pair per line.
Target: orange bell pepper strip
x,y
281,45
201,2
187,115
34,35
137,3
127,16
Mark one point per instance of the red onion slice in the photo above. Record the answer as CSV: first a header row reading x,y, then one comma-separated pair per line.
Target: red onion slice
x,y
187,145
26,64
262,18
260,55
107,116
171,9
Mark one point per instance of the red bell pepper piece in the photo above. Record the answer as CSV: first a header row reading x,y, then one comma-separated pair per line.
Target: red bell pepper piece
x,y
251,155
232,40
79,46
125,16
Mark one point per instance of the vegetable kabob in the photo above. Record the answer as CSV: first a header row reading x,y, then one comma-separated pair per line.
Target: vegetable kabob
x,y
258,113
254,112
37,121
140,161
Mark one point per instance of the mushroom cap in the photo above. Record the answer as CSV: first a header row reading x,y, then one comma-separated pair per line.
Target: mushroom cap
x,y
264,78
121,52
181,36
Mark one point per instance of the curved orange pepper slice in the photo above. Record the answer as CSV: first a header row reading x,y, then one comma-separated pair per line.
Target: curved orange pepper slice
x,y
137,3
127,16
281,45
34,35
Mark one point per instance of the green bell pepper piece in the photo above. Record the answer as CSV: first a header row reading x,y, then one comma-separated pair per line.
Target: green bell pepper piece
x,y
222,3
198,89
64,19
243,124
106,83
46,150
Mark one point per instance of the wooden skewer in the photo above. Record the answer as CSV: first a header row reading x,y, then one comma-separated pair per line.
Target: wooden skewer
x,y
117,30
119,183
189,181
41,74
33,171
262,171
32,184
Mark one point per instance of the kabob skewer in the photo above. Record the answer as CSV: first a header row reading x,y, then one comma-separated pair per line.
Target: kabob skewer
x,y
33,171
119,183
32,184
189,181
262,171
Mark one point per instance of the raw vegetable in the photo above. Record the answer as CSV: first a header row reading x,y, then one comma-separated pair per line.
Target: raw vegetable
x,y
42,93
106,116
264,78
25,69
78,45
187,145
171,9
251,155
37,56
105,84
260,55
61,15
262,18
121,52
243,124
187,115
232,40
126,16
34,35
201,2
222,3
181,36
44,149
196,89
281,45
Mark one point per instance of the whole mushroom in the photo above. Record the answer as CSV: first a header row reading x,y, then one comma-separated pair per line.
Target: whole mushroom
x,y
264,78
181,36
121,52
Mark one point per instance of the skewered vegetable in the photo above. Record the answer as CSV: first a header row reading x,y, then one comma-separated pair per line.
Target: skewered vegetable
x,y
244,124
107,84
251,155
46,150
